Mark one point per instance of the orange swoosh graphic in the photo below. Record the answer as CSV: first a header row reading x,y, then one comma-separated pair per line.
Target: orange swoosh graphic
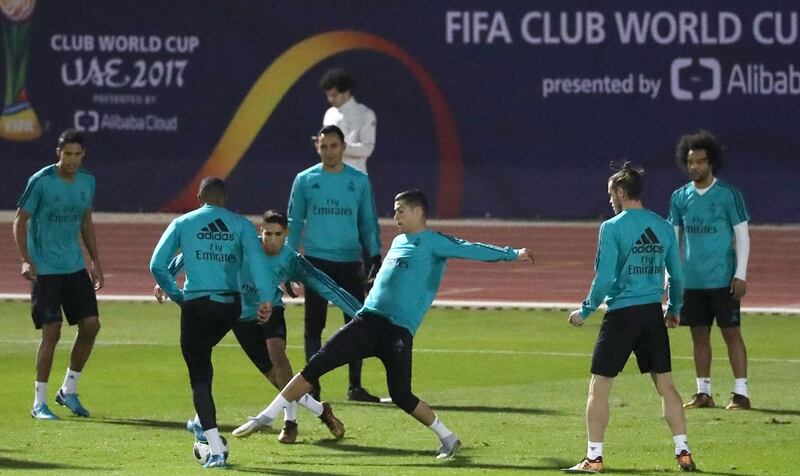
x,y
283,73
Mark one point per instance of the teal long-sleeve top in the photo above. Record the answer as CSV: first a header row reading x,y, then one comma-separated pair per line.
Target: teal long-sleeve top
x,y
334,214
412,271
633,250
57,208
287,265
216,244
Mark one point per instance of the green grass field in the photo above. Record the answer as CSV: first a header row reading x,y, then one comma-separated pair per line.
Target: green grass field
x,y
511,384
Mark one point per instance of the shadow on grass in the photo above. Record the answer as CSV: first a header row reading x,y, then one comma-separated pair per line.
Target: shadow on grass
x,y
371,450
283,472
11,463
775,411
146,422
461,461
465,408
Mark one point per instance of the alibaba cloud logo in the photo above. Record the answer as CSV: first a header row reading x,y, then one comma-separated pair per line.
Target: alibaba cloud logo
x,y
283,73
679,73
87,121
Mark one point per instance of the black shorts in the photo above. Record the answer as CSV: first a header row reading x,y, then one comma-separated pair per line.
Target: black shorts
x,y
252,337
702,306
204,322
73,292
367,335
638,329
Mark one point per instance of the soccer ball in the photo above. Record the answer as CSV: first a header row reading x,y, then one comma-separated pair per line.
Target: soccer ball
x,y
202,451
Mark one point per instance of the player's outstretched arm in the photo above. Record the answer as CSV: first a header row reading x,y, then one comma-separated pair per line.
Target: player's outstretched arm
x,y
524,254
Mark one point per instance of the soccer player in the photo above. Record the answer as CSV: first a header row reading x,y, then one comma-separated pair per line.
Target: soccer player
x,y
357,121
216,245
712,215
54,209
331,204
385,326
633,249
265,343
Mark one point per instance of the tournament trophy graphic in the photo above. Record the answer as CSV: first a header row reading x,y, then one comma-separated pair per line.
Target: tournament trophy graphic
x,y
18,121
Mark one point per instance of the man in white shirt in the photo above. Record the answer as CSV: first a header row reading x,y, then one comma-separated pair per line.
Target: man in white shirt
x,y
356,120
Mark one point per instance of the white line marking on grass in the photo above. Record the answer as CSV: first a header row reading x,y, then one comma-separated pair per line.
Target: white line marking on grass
x,y
438,303
422,350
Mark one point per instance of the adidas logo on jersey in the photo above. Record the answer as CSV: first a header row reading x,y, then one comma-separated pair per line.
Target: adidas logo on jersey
x,y
216,230
648,243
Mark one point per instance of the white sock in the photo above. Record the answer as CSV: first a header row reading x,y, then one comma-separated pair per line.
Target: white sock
x,y
197,420
680,444
594,449
269,414
40,393
290,412
438,427
704,385
311,404
214,441
70,381
740,387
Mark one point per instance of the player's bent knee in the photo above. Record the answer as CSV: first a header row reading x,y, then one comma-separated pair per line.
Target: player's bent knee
x,y
89,327
406,400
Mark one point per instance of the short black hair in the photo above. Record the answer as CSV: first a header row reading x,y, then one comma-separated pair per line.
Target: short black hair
x,y
627,178
701,139
274,216
337,78
212,189
70,136
327,130
413,198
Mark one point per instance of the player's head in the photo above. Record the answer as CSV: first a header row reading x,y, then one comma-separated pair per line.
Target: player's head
x,y
700,154
410,211
330,147
70,151
212,191
625,185
273,231
338,86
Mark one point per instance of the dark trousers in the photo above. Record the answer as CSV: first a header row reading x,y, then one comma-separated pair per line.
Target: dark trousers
x,y
349,277
204,323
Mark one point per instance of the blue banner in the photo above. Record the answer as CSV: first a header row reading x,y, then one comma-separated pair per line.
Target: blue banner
x,y
504,109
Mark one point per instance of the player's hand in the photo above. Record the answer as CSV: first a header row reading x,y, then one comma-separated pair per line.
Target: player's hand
x,y
671,320
374,267
264,312
159,293
29,271
738,289
524,254
97,277
575,318
288,286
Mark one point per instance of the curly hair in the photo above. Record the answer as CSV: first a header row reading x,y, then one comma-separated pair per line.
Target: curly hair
x,y
701,139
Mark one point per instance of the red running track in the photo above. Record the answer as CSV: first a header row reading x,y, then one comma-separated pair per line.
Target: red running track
x,y
562,273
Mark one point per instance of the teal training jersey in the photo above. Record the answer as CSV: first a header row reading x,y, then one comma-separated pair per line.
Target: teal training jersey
x,y
57,208
334,213
412,271
216,244
633,249
707,221
288,265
